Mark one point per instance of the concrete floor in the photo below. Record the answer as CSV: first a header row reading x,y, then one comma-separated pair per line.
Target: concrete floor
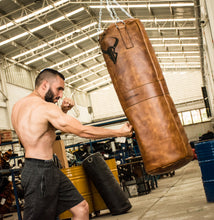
x,y
180,197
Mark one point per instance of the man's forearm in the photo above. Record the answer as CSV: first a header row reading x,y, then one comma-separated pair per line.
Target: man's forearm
x,y
99,132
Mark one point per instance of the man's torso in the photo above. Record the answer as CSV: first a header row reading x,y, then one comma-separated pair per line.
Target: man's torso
x,y
32,127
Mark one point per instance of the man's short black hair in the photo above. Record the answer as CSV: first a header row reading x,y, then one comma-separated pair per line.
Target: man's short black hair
x,y
47,74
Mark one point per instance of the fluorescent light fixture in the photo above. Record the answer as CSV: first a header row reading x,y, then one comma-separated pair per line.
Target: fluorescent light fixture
x,y
69,59
41,26
26,17
82,61
83,53
57,19
174,45
90,74
54,41
100,78
156,20
169,28
167,19
84,71
62,48
18,20
47,24
174,38
69,67
157,28
97,84
33,14
97,33
145,5
6,26
60,2
41,57
177,57
13,38
80,40
30,51
181,67
177,52
60,63
181,63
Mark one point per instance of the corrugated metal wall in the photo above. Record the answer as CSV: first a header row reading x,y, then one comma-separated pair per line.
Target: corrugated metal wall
x,y
105,103
183,87
1,95
18,76
207,9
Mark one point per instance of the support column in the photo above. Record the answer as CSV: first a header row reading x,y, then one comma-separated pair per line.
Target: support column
x,y
5,93
207,25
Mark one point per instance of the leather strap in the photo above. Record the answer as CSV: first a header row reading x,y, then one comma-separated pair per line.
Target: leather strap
x,y
125,35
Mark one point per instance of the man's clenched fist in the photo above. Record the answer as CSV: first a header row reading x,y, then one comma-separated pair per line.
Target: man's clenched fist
x,y
67,104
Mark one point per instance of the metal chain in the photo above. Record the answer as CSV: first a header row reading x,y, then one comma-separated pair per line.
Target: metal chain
x,y
112,11
109,9
122,9
100,16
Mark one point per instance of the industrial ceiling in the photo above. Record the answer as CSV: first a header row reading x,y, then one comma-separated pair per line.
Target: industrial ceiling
x,y
63,35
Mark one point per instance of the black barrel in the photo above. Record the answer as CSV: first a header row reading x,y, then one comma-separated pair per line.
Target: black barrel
x,y
106,184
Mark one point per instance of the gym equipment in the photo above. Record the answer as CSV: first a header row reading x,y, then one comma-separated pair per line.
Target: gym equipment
x,y
145,99
106,184
79,179
98,202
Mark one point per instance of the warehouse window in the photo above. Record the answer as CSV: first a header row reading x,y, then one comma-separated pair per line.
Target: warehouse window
x,y
181,118
193,116
196,116
187,118
204,114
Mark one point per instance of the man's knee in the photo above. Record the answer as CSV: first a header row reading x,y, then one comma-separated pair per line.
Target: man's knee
x,y
81,209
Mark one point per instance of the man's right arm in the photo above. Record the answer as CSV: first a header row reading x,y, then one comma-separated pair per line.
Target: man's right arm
x,y
68,124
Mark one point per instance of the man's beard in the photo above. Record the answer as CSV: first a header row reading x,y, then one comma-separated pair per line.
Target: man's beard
x,y
49,96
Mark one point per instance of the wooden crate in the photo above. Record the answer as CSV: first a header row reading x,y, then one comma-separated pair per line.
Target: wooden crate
x,y
6,136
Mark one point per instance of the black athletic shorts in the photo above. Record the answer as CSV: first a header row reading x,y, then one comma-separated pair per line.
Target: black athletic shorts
x,y
47,191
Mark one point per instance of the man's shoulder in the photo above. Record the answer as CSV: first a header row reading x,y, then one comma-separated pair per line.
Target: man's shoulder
x,y
45,107
23,100
33,102
49,107
19,103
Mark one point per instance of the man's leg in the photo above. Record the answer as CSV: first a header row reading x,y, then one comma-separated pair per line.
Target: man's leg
x,y
80,211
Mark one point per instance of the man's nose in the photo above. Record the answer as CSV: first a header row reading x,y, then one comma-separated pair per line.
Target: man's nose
x,y
60,94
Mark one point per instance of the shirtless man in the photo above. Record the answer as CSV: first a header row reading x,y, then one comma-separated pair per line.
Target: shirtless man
x,y
48,192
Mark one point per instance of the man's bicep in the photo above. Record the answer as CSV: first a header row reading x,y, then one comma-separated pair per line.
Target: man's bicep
x,y
64,122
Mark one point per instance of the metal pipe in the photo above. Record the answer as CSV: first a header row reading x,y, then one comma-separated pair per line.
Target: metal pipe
x,y
130,1
200,39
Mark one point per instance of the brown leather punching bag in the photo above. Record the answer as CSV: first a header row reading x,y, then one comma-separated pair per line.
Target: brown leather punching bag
x,y
145,99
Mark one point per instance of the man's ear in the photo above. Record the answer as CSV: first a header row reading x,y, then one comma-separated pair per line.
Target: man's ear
x,y
45,85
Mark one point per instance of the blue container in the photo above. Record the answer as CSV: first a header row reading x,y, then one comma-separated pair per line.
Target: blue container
x,y
206,145
205,150
209,190
205,154
207,169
